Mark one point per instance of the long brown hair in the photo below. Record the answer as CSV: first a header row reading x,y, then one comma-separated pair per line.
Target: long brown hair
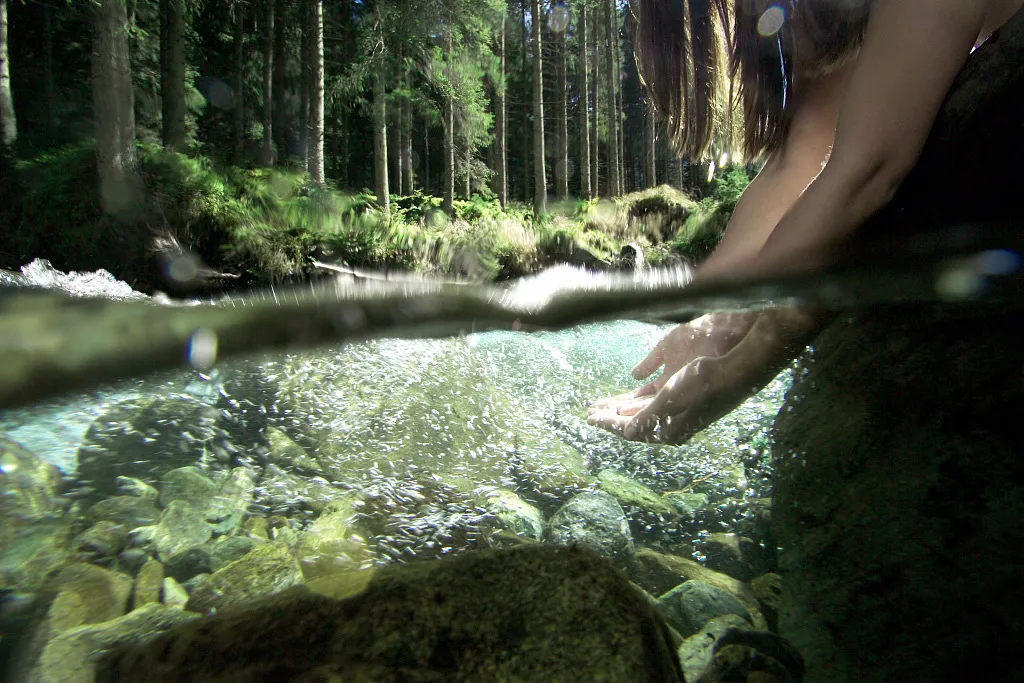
x,y
696,56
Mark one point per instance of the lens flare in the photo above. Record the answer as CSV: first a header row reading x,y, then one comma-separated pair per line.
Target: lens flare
x,y
771,21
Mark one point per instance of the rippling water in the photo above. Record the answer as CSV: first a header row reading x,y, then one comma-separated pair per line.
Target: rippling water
x,y
423,431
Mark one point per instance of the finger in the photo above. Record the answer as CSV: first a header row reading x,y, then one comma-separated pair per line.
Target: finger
x,y
609,419
654,360
633,407
612,401
650,420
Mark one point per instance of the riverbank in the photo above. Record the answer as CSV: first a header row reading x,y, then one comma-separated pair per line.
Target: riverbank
x,y
255,226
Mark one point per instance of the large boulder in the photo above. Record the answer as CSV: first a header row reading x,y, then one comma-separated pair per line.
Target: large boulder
x,y
35,531
899,488
527,614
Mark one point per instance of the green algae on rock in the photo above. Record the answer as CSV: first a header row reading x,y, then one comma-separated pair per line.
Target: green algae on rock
x,y
268,569
530,613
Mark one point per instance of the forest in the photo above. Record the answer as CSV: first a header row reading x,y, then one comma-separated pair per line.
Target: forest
x,y
477,138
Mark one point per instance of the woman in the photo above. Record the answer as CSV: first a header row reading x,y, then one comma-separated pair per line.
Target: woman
x,y
840,95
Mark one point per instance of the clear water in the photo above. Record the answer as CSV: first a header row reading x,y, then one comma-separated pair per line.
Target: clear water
x,y
422,430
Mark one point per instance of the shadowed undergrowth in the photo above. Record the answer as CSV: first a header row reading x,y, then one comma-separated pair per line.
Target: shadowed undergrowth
x,y
270,225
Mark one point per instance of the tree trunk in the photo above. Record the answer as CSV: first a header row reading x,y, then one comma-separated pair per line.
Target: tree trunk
x,y
562,124
501,132
469,179
380,143
525,116
49,93
539,170
449,156
239,112
8,123
408,185
280,48
172,84
305,80
650,139
113,104
427,186
583,95
316,105
614,186
595,159
269,83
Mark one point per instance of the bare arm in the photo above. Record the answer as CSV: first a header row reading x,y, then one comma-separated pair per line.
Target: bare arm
x,y
785,176
912,52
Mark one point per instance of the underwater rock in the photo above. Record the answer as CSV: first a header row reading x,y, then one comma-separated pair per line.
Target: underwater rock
x,y
145,439
728,649
732,554
332,543
288,455
689,606
188,563
514,514
71,656
631,493
188,485
101,542
180,527
281,491
227,549
687,505
659,573
596,521
78,594
257,527
266,570
534,613
28,489
174,595
227,509
896,495
129,511
148,584
768,591
34,530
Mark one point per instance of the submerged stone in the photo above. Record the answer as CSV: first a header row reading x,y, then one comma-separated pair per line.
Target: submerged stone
x,y
180,527
659,573
332,543
514,514
266,570
34,530
596,521
535,613
145,439
71,656
727,649
631,493
173,594
78,594
102,541
148,584
188,563
689,606
227,549
130,511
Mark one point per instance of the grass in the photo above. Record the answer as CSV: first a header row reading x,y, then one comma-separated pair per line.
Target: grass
x,y
270,224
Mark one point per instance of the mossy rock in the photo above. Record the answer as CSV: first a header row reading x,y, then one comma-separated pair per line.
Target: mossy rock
x,y
527,614
268,569
631,493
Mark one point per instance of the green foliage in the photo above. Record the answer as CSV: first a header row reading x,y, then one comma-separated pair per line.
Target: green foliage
x,y
727,186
